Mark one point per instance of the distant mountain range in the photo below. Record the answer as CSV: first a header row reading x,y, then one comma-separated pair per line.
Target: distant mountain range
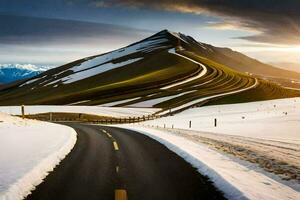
x,y
168,70
14,72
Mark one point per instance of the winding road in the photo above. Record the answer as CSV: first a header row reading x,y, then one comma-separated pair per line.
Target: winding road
x,y
199,75
114,163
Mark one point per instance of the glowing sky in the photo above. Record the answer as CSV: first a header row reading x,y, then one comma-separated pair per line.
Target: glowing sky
x,y
57,31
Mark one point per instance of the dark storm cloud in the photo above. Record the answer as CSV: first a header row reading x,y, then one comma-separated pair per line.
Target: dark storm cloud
x,y
277,21
55,41
35,31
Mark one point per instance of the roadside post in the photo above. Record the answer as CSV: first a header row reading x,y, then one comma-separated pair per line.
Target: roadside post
x,y
190,124
23,111
215,122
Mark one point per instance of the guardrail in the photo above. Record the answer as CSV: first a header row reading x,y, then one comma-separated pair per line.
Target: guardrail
x,y
86,118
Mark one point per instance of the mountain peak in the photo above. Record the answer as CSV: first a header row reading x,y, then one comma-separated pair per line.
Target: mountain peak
x,y
168,33
164,31
170,38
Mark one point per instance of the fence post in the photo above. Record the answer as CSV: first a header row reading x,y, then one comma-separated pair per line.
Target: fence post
x,y
50,116
23,111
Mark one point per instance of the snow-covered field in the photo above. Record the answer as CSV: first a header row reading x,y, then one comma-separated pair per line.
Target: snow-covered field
x,y
93,110
253,152
272,120
29,149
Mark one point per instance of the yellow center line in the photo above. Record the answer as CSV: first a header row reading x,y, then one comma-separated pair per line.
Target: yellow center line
x,y
117,169
116,145
120,194
104,131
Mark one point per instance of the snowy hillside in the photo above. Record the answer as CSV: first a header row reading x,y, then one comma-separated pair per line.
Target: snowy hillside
x,y
28,151
14,72
94,65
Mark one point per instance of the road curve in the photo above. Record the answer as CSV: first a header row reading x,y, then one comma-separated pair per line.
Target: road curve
x,y
109,162
199,75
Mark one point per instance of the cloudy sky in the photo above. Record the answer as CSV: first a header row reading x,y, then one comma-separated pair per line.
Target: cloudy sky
x,y
58,31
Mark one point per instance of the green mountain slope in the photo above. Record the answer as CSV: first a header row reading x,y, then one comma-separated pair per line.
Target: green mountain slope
x,y
167,70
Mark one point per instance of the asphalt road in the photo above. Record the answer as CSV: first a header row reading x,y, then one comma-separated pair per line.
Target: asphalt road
x,y
112,163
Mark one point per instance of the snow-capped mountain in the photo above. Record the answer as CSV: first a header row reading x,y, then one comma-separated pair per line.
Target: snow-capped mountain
x,y
167,70
13,72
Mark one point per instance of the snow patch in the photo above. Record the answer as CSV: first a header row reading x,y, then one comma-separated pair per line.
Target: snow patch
x,y
94,71
150,103
29,150
32,81
114,103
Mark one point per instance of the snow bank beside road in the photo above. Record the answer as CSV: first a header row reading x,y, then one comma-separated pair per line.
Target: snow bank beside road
x,y
235,180
29,150
265,133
